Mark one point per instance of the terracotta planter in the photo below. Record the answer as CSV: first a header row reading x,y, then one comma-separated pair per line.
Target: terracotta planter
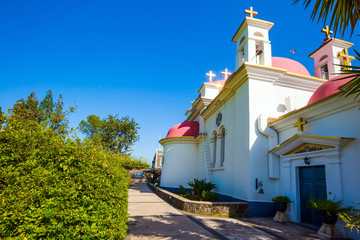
x,y
280,207
330,220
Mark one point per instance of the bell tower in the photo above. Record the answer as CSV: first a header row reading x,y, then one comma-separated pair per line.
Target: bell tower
x,y
329,55
252,41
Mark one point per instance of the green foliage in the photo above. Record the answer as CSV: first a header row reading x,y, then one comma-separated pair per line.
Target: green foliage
x,y
53,187
209,196
281,199
201,190
351,218
327,205
343,14
49,114
182,190
130,162
114,134
201,185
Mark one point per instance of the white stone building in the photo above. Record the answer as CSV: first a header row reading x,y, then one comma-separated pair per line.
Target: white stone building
x,y
271,128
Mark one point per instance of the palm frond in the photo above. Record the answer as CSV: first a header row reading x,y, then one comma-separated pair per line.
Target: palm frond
x,y
343,14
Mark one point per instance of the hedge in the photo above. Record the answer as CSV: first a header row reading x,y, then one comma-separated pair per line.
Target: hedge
x,y
52,187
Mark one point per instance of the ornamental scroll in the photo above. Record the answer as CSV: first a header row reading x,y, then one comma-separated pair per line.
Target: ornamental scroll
x,y
308,147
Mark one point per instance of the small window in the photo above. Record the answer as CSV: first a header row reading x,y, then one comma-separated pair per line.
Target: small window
x,y
222,147
324,72
258,34
259,54
214,149
323,57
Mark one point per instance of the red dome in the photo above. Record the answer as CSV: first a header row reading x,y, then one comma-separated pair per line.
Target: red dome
x,y
184,129
329,88
290,65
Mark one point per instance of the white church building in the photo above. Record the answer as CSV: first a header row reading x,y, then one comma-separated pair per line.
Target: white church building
x,y
270,128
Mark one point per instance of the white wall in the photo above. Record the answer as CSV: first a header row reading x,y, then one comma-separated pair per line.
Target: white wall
x,y
180,164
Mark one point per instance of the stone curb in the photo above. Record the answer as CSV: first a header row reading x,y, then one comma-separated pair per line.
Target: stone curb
x,y
225,209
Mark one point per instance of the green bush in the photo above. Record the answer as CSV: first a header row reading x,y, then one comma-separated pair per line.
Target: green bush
x,y
182,190
53,187
130,162
201,190
201,185
327,205
281,199
209,196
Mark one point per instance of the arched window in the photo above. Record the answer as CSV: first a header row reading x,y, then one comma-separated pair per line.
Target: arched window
x,y
222,147
258,34
214,141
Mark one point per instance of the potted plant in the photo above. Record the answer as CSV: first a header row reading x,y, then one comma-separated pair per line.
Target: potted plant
x,y
329,210
281,202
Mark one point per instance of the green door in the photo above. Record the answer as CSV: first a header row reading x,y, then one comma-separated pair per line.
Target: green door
x,y
312,183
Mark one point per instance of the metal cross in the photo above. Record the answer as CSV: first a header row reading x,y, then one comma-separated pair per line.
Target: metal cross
x,y
210,75
251,12
226,73
300,124
327,32
344,55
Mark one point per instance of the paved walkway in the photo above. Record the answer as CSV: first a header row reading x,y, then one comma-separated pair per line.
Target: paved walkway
x,y
153,218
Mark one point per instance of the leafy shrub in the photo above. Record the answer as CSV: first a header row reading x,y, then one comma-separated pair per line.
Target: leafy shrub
x,y
201,190
201,185
53,187
130,162
281,199
182,190
209,196
351,218
327,205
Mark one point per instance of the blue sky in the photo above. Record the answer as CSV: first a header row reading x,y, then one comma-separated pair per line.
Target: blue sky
x,y
144,59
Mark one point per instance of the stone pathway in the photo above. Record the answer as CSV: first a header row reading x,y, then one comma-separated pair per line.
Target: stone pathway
x,y
153,218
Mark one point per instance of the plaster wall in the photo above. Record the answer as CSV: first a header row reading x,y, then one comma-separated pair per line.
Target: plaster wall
x,y
180,164
336,118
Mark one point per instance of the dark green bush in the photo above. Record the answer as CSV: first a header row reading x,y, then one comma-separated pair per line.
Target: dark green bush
x,y
52,187
281,199
209,196
182,190
328,206
201,185
130,162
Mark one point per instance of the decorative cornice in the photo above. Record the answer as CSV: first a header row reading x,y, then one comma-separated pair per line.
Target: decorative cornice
x,y
298,139
251,22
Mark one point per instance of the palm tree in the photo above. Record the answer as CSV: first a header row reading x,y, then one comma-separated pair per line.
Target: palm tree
x,y
343,15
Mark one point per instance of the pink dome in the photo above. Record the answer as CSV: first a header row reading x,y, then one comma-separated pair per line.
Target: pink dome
x,y
290,65
329,88
184,129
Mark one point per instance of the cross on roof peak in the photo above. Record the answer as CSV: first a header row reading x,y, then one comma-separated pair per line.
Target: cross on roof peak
x,y
327,32
210,75
251,12
226,73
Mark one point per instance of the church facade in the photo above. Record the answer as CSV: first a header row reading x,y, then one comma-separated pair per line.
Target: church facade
x,y
270,128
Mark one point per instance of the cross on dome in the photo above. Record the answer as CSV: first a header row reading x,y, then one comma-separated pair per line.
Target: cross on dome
x,y
210,75
251,12
344,55
327,32
226,73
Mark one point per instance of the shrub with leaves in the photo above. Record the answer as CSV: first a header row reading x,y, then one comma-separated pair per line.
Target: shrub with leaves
x,y
281,199
351,218
53,187
202,190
